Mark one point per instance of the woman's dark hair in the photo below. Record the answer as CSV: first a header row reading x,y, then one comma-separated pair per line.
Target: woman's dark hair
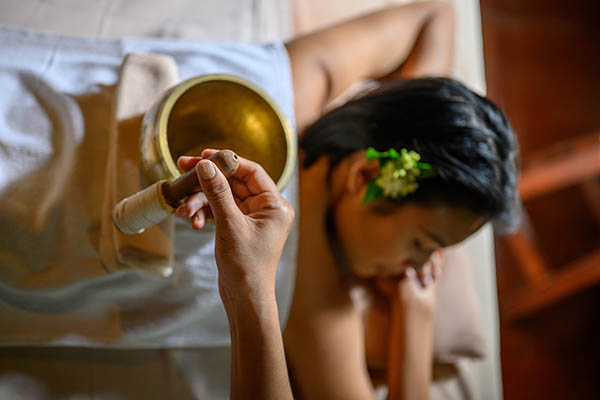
x,y
464,136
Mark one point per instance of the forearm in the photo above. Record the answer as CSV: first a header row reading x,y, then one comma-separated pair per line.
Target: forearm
x,y
410,353
413,40
377,45
410,40
433,51
258,367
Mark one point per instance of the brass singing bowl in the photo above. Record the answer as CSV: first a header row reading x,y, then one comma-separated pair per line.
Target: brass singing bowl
x,y
221,112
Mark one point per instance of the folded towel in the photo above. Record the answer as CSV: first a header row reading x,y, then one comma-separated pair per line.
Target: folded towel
x,y
143,79
56,116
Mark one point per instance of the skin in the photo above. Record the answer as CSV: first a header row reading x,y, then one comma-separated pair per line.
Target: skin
x,y
252,221
413,40
406,236
382,246
324,316
408,41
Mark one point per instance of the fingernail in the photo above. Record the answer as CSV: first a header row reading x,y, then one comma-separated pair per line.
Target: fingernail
x,y
410,272
437,272
206,170
180,211
196,222
427,280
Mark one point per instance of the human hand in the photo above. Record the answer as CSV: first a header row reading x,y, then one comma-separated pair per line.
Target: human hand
x,y
395,307
252,222
425,276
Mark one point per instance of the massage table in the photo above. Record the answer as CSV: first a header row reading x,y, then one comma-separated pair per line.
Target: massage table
x,y
169,373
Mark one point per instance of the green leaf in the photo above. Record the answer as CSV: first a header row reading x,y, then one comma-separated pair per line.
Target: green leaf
x,y
373,192
393,154
372,154
427,170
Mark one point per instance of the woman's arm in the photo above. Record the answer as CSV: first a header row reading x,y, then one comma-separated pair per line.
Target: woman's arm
x,y
410,342
258,366
404,309
411,40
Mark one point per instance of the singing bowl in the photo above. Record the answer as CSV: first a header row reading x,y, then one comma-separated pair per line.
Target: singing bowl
x,y
221,112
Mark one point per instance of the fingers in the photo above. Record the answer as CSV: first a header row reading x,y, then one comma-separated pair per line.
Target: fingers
x,y
249,179
407,283
218,192
431,270
411,280
414,296
425,274
436,271
198,220
186,162
420,279
260,202
239,188
208,152
251,174
196,207
192,204
249,190
436,261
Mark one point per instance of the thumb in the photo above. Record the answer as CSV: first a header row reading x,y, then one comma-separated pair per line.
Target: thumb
x,y
217,191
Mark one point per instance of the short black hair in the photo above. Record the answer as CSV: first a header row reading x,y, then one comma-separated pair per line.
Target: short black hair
x,y
464,136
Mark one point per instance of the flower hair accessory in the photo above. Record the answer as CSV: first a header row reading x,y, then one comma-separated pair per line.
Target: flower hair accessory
x,y
398,174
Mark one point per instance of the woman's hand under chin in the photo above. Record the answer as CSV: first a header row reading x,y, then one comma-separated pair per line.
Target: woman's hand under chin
x,y
404,297
410,335
415,289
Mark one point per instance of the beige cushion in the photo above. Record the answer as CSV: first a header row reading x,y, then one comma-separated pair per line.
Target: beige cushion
x,y
458,328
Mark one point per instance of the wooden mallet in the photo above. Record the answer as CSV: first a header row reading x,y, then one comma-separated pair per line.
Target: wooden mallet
x,y
155,203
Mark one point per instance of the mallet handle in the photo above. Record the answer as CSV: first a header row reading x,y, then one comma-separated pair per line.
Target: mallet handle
x,y
155,203
175,192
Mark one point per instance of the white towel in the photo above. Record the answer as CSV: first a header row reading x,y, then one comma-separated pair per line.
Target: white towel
x,y
143,80
55,114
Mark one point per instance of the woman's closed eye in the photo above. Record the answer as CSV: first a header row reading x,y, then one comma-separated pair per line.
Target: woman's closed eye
x,y
419,246
422,249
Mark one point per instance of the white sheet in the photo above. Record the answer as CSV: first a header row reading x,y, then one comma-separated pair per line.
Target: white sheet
x,y
53,287
77,373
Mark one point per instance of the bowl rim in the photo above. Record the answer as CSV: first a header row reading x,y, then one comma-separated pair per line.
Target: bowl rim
x,y
183,87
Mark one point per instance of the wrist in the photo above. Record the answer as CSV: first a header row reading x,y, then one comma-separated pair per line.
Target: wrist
x,y
255,299
252,318
415,312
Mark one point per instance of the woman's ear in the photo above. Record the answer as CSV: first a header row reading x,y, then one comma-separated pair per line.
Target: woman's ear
x,y
361,172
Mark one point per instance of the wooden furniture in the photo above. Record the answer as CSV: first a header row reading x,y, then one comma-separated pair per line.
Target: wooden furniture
x,y
542,60
576,162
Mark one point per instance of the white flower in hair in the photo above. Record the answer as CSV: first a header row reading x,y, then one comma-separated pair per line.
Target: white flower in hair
x,y
397,175
397,181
